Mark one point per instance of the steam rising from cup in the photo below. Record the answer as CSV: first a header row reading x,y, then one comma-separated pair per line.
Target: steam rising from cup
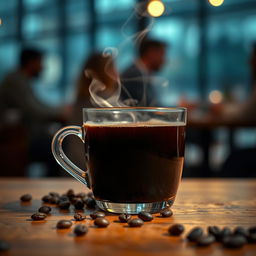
x,y
97,87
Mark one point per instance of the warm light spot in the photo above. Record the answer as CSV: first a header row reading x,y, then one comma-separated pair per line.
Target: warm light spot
x,y
215,97
216,2
155,8
0,21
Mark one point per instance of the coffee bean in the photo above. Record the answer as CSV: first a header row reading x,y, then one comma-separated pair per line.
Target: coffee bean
x,y
64,198
26,198
38,216
252,230
145,216
73,200
63,224
79,204
64,205
80,230
241,231
176,230
70,193
96,215
135,222
78,217
46,198
234,241
205,240
45,209
101,222
214,230
4,246
90,202
251,238
54,194
124,217
54,200
225,232
195,234
167,212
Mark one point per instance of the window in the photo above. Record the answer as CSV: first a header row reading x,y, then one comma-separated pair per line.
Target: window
x,y
68,31
230,35
78,14
180,73
9,52
40,18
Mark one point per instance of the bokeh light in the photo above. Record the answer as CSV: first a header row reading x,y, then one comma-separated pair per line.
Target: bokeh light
x,y
0,21
215,97
155,8
216,2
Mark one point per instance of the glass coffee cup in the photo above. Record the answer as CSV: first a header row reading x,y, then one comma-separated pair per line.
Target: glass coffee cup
x,y
134,156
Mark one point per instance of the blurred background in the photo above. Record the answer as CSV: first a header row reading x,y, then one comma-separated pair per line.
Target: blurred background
x,y
210,44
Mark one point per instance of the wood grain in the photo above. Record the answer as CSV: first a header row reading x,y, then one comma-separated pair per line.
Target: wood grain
x,y
200,202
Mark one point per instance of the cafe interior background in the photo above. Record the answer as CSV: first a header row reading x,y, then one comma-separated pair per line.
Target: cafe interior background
x,y
210,43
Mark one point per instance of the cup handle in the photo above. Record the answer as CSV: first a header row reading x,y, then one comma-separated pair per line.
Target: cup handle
x,y
62,159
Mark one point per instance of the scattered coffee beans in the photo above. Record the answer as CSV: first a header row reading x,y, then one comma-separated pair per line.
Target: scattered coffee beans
x,y
101,222
79,204
54,194
165,213
90,202
63,224
45,209
64,205
135,222
252,230
78,217
176,230
206,240
225,232
214,230
54,200
241,231
70,193
251,238
80,230
145,216
38,216
26,198
96,215
46,198
195,234
236,241
124,217
4,246
64,198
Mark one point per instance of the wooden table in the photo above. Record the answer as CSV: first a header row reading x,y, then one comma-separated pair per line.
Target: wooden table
x,y
200,202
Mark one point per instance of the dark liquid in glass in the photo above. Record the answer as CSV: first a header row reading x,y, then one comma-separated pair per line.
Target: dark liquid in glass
x,y
134,163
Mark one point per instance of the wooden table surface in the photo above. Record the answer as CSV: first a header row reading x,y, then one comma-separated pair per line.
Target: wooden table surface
x,y
200,202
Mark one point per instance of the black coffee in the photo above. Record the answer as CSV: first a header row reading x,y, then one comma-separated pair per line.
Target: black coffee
x,y
134,163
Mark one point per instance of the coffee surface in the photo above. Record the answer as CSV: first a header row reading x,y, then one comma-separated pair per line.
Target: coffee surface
x,y
135,163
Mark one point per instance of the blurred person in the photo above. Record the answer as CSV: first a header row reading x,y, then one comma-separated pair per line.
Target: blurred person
x,y
17,98
136,79
99,68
